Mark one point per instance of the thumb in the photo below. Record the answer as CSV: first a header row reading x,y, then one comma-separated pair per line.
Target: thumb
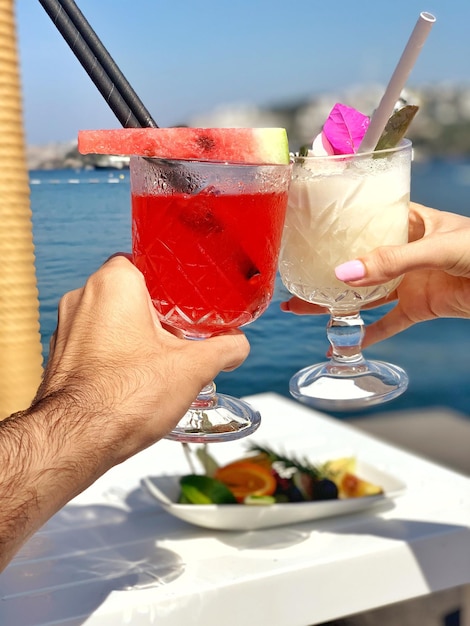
x,y
223,352
393,322
388,262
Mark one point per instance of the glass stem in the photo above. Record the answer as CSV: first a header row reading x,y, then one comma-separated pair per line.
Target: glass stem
x,y
206,398
345,333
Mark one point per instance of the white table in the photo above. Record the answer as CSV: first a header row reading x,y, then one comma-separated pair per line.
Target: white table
x,y
113,557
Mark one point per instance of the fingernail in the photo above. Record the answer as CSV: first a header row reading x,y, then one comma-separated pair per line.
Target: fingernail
x,y
285,306
351,270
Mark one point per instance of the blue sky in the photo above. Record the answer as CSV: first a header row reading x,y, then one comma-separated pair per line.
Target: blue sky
x,y
185,57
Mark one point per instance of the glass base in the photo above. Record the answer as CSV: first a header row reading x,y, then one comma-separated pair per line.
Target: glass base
x,y
226,419
329,386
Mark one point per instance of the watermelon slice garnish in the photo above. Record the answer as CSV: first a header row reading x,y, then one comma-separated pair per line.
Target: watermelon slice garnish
x,y
234,145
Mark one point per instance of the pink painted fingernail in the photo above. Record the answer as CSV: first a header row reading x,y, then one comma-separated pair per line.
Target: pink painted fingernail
x,y
351,270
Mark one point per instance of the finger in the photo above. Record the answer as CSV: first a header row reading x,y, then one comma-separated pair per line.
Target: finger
x,y
117,276
388,299
177,332
388,262
392,323
126,255
52,343
113,294
224,352
417,218
68,305
301,307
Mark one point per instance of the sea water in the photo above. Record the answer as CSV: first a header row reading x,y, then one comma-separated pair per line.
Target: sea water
x,y
82,217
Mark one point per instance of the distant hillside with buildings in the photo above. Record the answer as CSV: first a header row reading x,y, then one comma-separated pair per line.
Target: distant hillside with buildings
x,y
440,130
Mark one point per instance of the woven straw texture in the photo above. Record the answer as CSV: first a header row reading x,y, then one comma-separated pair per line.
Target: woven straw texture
x,y
20,343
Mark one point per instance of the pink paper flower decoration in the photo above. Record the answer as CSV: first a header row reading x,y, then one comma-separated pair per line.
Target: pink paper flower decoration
x,y
345,128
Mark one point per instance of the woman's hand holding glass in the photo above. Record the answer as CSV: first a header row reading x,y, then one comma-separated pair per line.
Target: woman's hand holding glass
x,y
436,268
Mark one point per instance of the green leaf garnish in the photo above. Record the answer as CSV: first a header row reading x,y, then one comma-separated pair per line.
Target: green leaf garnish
x,y
207,461
301,465
396,127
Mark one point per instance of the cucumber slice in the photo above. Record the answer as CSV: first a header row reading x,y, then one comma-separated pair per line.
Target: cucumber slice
x,y
197,489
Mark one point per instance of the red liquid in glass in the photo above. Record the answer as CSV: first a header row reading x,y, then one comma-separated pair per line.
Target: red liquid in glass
x,y
209,259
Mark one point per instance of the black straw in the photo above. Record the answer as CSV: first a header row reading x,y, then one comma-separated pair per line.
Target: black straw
x,y
98,63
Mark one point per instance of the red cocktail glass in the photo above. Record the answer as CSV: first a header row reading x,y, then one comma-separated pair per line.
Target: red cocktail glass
x,y
206,236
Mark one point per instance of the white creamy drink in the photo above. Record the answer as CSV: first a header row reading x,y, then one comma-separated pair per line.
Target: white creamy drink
x,y
349,194
339,209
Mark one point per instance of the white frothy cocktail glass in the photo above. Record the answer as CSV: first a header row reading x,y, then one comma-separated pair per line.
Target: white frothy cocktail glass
x,y
341,207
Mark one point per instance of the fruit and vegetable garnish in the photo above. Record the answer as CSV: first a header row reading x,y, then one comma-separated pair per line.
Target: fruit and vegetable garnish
x,y
266,477
342,133
345,128
234,145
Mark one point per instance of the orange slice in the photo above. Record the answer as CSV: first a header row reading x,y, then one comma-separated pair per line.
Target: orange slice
x,y
245,478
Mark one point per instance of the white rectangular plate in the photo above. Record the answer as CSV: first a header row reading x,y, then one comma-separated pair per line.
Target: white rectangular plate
x,y
166,490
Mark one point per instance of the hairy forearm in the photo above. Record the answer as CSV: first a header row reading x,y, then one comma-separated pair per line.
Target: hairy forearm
x,y
39,472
